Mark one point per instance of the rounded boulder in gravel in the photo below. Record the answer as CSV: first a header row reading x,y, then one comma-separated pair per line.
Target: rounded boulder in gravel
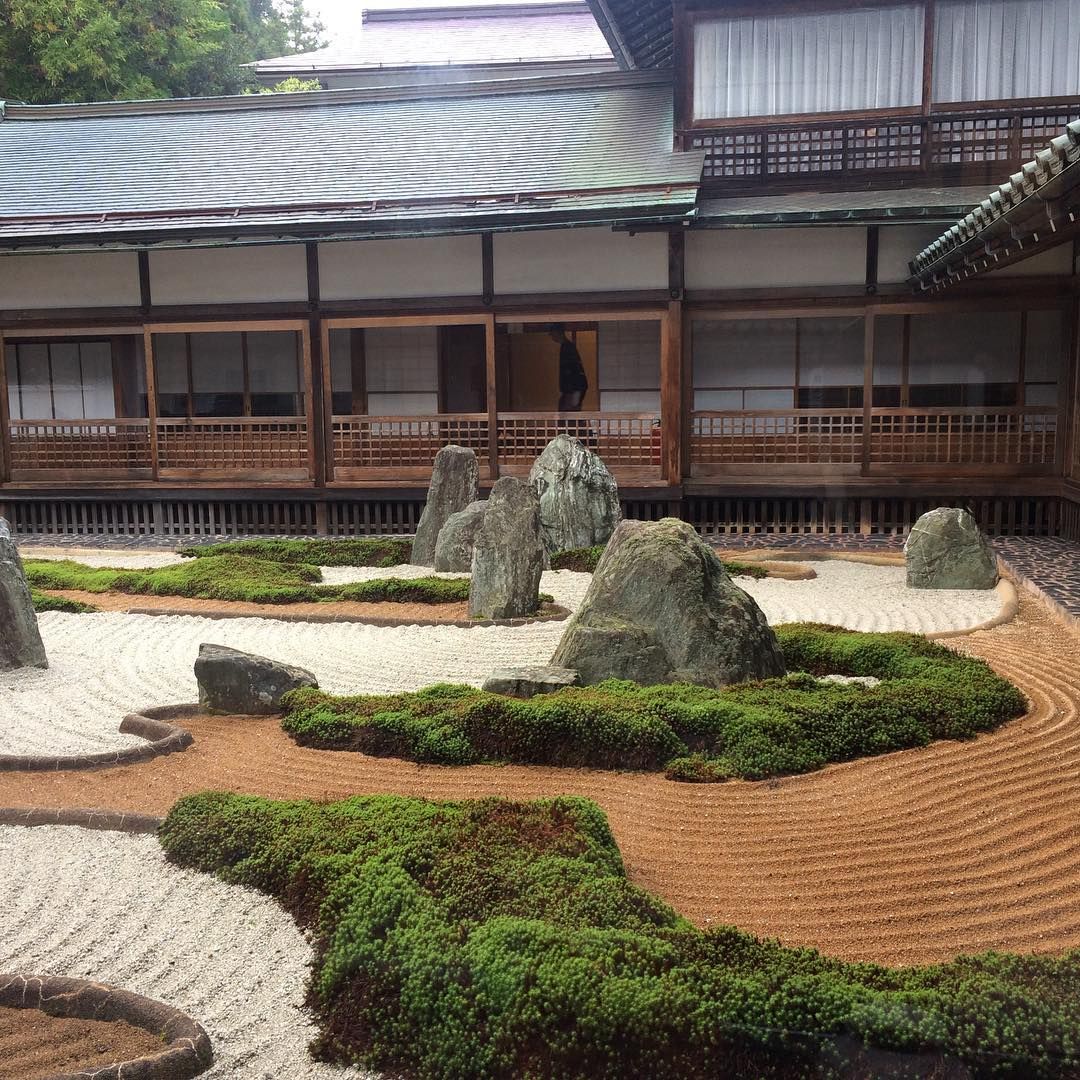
x,y
946,549
662,609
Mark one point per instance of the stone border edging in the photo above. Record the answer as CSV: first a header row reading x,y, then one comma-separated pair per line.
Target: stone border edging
x,y
187,1050
150,724
98,820
1056,610
554,614
1010,607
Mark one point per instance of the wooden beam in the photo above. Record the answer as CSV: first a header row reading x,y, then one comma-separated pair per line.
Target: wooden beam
x,y
871,259
671,394
868,388
315,463
5,419
487,258
676,263
319,430
146,300
151,399
492,398
327,399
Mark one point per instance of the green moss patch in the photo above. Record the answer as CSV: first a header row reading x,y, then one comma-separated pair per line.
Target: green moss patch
x,y
790,725
351,551
503,940
44,602
584,561
241,577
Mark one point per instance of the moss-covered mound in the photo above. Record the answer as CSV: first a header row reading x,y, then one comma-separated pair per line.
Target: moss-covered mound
x,y
351,551
240,577
753,730
44,602
584,561
502,940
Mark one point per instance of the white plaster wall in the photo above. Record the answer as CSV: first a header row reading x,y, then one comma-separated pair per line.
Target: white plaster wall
x,y
579,260
898,245
383,269
92,279
781,258
228,275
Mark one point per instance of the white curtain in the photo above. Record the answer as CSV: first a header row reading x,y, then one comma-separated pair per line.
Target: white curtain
x,y
993,50
824,62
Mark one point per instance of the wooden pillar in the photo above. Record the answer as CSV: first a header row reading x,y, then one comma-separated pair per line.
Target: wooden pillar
x,y
151,397
671,394
5,419
1069,409
315,371
868,387
492,398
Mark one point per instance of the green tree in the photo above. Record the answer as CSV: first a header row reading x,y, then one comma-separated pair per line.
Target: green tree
x,y
100,50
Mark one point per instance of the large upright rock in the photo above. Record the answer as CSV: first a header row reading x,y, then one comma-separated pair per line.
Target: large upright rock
x,y
453,486
579,499
661,609
457,538
231,681
508,557
20,641
947,550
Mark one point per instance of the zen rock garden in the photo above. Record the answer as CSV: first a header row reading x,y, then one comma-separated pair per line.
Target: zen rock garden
x,y
354,797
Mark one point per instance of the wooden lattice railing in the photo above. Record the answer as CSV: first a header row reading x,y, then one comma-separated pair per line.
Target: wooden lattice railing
x,y
272,447
731,441
1014,436
84,449
629,443
942,144
376,447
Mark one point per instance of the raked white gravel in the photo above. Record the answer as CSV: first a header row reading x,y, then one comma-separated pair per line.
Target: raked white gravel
x,y
105,665
107,906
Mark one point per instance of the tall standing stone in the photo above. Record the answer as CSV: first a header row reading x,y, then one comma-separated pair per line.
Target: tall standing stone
x,y
20,640
457,538
508,557
454,484
946,549
579,499
662,609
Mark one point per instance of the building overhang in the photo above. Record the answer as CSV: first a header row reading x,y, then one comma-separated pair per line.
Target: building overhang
x,y
1036,209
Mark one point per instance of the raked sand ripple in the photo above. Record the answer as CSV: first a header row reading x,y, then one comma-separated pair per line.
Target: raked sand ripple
x,y
105,665
107,906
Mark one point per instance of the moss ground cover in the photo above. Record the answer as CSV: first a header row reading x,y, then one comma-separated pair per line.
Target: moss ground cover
x,y
584,561
44,602
790,725
503,940
241,577
351,551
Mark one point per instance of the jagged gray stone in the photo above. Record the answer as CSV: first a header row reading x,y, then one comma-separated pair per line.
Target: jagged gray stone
x,y
454,478
457,538
946,549
662,609
579,499
527,682
20,639
231,681
508,557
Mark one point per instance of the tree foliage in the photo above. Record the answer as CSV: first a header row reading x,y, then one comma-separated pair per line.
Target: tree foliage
x,y
100,50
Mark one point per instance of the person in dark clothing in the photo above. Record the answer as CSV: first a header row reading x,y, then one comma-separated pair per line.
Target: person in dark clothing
x,y
572,380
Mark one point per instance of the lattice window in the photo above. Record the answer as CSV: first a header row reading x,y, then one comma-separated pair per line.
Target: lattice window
x,y
729,155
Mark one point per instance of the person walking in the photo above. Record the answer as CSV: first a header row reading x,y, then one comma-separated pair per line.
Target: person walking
x,y
572,381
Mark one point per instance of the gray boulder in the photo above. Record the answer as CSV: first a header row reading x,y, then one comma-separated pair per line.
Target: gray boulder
x,y
20,641
662,609
527,682
454,478
947,550
457,538
231,681
579,499
508,557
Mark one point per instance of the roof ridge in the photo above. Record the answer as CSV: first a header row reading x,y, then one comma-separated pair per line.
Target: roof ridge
x,y
349,96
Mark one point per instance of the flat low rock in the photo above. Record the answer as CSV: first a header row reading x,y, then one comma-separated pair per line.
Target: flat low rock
x,y
946,549
231,681
457,538
527,682
20,640
454,484
662,609
508,557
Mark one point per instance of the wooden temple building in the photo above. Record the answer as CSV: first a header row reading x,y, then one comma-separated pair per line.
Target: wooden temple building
x,y
819,258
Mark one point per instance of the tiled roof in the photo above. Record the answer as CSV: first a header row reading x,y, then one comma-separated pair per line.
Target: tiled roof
x,y
345,161
1036,201
881,205
638,31
504,34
